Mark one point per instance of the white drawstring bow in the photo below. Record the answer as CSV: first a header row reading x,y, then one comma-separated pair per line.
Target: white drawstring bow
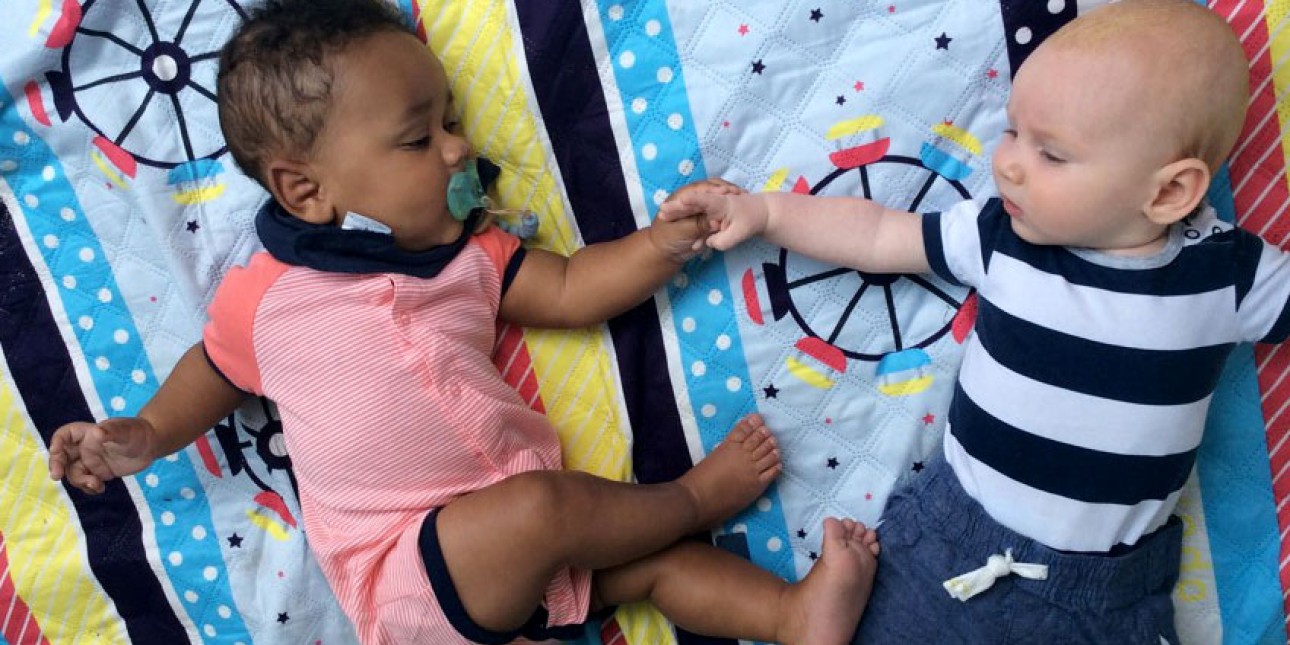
x,y
997,566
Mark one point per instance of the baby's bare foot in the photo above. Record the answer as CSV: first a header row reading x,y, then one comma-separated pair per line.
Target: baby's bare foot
x,y
734,473
825,607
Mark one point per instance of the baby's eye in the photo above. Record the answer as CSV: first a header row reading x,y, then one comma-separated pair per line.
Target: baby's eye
x,y
451,125
418,144
1050,157
1010,132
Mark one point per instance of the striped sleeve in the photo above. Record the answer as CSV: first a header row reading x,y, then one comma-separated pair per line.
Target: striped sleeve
x,y
228,336
952,240
1265,309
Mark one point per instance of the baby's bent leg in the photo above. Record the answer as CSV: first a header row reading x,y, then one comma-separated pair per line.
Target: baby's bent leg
x,y
502,544
709,591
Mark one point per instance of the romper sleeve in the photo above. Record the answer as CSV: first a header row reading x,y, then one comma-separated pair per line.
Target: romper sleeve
x,y
228,338
505,252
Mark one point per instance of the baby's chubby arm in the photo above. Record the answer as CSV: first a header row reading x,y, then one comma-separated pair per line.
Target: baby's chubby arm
x,y
191,400
845,231
603,280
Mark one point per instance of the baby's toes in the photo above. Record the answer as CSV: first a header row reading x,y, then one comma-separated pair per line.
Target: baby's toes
x,y
760,443
740,433
870,540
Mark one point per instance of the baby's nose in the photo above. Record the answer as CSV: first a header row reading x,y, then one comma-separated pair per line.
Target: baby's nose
x,y
1007,168
455,150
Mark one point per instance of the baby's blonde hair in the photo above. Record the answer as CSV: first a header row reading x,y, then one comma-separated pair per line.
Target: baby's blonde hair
x,y
1190,63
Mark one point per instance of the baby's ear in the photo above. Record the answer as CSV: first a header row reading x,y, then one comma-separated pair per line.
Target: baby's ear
x,y
1179,188
298,192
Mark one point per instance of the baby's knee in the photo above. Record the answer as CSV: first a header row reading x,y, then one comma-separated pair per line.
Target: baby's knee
x,y
542,498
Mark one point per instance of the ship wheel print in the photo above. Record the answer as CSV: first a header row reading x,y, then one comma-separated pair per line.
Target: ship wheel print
x,y
260,432
156,75
884,318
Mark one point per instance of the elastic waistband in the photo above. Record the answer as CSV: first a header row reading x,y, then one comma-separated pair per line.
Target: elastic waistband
x,y
1095,581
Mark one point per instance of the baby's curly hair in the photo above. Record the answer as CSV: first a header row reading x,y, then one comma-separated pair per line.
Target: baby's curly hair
x,y
276,73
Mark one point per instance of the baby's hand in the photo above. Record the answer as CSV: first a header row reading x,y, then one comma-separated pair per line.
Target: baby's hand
x,y
683,237
729,218
711,186
89,454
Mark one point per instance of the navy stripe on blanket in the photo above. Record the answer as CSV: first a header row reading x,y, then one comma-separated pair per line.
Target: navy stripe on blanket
x,y
1039,19
567,86
566,83
1074,472
42,371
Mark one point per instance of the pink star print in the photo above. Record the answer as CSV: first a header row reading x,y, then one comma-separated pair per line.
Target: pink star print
x,y
859,86
743,30
992,73
929,418
891,8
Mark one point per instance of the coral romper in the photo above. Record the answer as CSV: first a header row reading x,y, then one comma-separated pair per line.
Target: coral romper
x,y
391,407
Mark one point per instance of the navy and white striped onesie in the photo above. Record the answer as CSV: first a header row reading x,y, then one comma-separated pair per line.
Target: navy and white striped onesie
x,y
1083,392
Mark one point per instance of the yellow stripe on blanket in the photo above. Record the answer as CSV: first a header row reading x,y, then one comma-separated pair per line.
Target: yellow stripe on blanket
x,y
575,368
1276,14
47,560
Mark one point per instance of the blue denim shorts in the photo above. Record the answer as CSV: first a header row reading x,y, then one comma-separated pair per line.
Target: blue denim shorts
x,y
933,531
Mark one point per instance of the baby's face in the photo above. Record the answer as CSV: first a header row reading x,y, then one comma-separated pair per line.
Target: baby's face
x,y
1076,164
390,143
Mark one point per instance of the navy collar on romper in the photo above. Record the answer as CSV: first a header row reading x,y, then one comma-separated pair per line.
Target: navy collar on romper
x,y
330,248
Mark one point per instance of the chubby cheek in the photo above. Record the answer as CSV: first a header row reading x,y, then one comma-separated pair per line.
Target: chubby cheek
x,y
434,192
1034,232
1021,230
412,182
427,205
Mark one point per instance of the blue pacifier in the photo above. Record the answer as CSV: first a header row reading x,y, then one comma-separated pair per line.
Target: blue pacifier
x,y
466,193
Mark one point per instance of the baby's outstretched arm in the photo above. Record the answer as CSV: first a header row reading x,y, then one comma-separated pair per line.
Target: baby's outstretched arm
x,y
603,280
193,398
846,231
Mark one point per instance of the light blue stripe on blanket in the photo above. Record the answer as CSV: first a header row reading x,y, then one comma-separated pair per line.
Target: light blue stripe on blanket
x,y
119,369
1236,492
656,111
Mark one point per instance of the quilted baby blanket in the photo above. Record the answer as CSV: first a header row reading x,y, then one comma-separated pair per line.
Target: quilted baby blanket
x,y
120,210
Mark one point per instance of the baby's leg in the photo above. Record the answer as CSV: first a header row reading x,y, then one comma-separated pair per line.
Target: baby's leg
x,y
503,544
709,591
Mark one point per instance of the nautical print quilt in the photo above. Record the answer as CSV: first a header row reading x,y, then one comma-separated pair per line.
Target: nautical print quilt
x,y
120,210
